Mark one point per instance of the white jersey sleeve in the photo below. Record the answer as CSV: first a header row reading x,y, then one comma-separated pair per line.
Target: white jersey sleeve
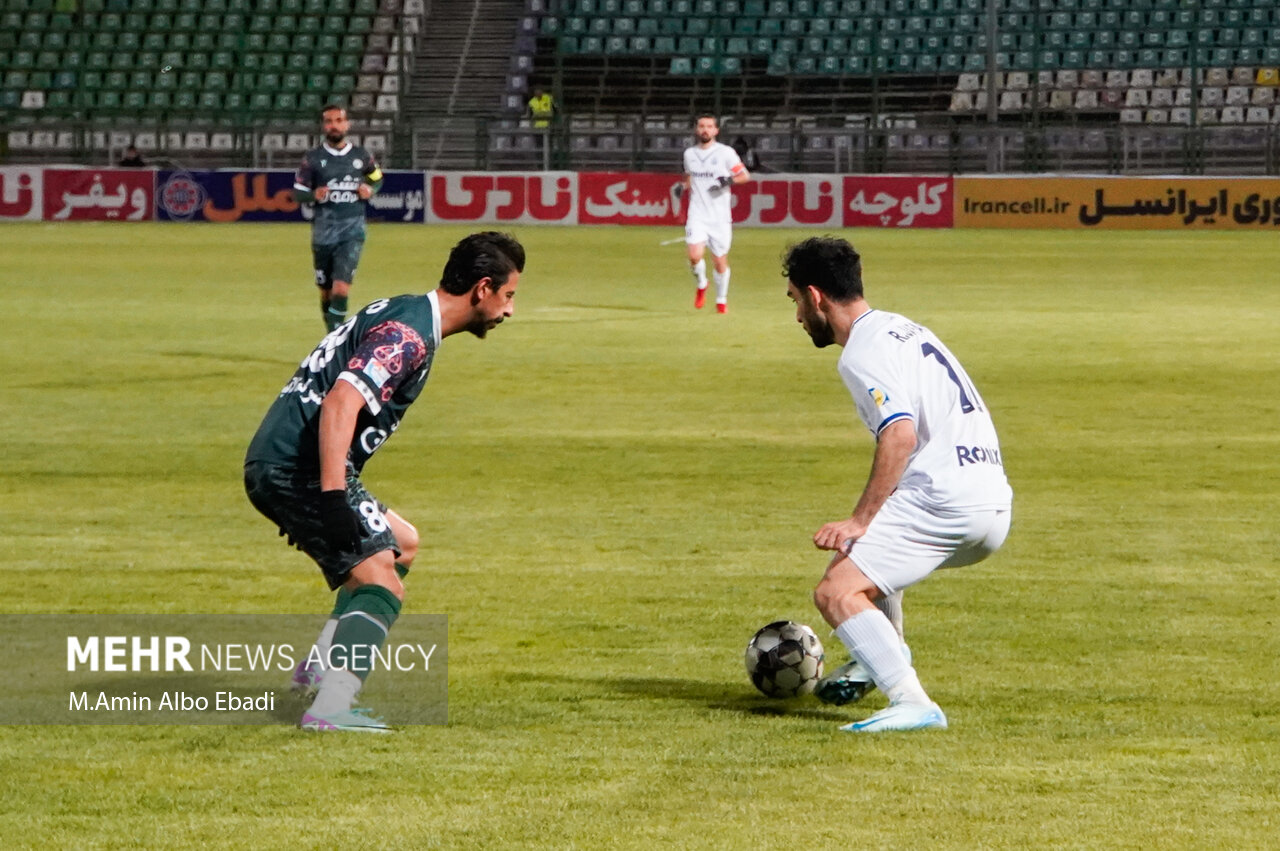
x,y
710,203
897,369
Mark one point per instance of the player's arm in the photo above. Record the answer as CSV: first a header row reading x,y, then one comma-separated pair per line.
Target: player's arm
x,y
372,180
304,190
682,188
893,450
338,415
739,173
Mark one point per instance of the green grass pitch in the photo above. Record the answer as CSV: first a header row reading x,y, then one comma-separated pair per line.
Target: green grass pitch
x,y
615,491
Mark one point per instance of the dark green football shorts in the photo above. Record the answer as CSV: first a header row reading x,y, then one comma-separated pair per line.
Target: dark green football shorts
x,y
336,262
291,500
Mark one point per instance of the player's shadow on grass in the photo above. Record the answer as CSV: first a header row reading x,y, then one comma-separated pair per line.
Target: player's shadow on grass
x,y
702,692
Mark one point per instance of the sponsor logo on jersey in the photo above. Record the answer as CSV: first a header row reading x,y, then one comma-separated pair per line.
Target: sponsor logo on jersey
x,y
978,455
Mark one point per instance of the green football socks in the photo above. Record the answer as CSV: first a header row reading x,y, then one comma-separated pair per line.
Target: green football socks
x,y
362,628
335,312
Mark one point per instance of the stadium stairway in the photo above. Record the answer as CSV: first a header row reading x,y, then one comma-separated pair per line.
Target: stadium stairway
x,y
462,69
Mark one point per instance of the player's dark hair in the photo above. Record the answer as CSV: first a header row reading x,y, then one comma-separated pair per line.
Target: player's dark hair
x,y
488,254
330,107
710,115
829,263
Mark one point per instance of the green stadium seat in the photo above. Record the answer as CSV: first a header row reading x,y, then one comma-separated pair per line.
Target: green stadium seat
x,y
159,100
57,100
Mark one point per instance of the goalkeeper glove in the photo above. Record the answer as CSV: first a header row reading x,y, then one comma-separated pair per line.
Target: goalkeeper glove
x,y
341,526
724,181
679,190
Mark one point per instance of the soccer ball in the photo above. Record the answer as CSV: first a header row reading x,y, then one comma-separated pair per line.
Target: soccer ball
x,y
784,659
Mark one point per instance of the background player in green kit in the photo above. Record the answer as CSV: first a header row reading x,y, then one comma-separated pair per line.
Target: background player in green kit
x,y
302,470
339,178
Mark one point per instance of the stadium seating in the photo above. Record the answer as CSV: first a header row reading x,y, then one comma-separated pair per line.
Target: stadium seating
x,y
225,61
909,43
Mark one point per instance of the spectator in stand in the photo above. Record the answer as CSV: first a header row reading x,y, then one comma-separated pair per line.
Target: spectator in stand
x,y
132,159
747,154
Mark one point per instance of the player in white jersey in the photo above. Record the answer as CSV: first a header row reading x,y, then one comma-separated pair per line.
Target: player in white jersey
x,y
710,169
937,495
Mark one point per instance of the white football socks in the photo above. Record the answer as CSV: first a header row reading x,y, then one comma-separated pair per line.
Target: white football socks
x,y
722,286
891,605
699,271
338,691
872,640
324,641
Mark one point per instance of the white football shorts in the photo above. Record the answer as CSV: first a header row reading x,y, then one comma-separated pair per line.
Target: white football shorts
x,y
717,236
908,540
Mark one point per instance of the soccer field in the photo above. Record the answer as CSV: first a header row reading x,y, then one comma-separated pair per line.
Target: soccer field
x,y
615,491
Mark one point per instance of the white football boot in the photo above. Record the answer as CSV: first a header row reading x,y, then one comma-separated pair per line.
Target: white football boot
x,y
901,716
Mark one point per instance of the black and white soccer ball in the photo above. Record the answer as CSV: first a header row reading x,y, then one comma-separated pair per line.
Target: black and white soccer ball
x,y
784,659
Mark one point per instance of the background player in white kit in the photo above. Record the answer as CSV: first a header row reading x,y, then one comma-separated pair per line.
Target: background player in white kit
x,y
937,495
710,169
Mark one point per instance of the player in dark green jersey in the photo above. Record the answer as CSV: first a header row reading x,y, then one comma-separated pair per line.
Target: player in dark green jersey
x,y
338,178
302,470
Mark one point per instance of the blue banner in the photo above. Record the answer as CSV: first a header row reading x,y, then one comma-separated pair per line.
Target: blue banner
x,y
233,195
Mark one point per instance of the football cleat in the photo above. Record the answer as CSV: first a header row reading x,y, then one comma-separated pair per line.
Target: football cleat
x,y
846,684
357,720
849,683
721,307
305,681
700,299
901,716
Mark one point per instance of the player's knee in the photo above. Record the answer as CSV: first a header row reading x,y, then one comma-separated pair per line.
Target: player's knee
x,y
407,539
825,595
834,598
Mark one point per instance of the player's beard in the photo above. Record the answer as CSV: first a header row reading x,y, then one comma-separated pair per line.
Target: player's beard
x,y
334,137
704,138
819,330
480,327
